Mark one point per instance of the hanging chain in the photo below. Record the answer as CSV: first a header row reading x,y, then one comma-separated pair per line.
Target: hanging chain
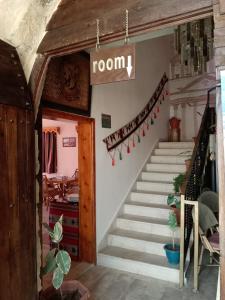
x,y
127,27
97,34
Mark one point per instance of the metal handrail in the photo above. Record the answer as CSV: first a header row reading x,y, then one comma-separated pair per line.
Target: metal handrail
x,y
191,188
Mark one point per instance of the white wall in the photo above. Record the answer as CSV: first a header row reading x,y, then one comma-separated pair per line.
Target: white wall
x,y
188,97
123,101
67,156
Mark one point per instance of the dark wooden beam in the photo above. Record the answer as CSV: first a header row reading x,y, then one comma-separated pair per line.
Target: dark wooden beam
x,y
74,23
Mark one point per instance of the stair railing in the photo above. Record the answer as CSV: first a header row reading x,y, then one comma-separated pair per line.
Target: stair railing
x,y
192,189
115,140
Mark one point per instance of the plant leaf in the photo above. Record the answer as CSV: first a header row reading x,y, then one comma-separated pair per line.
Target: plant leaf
x,y
50,265
63,261
60,220
57,232
57,279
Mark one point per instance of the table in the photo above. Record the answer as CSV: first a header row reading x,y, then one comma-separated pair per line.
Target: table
x,y
62,183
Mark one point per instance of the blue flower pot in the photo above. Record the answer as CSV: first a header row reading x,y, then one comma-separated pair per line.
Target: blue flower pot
x,y
173,255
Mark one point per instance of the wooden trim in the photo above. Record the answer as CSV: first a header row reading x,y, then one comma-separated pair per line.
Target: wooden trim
x,y
53,49
54,114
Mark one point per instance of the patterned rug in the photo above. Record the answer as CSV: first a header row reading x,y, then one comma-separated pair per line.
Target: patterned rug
x,y
70,212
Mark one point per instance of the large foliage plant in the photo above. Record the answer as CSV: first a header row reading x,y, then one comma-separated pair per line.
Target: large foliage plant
x,y
57,261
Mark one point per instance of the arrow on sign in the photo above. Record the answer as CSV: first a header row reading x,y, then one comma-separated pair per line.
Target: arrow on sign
x,y
129,65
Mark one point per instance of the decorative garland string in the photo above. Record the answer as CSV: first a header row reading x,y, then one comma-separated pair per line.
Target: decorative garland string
x,y
125,136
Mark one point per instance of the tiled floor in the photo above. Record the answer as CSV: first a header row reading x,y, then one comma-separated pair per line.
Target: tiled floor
x,y
108,284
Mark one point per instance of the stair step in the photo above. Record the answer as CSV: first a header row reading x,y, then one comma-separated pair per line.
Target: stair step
x,y
137,241
155,186
171,152
165,168
148,197
147,210
168,159
144,224
176,145
158,176
137,262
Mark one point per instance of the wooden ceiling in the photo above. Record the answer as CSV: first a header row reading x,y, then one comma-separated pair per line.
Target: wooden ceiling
x,y
74,22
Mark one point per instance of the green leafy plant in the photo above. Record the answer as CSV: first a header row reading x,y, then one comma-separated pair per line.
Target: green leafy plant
x,y
177,182
173,201
172,222
57,261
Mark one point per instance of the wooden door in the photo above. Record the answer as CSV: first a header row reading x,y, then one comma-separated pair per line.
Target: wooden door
x,y
18,279
86,162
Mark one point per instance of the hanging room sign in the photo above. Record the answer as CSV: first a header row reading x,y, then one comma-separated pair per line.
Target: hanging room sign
x,y
112,64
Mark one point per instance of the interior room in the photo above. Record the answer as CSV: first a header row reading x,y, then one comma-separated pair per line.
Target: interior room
x,y
60,188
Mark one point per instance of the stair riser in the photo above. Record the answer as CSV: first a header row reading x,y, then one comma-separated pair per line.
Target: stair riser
x,y
144,227
166,168
148,198
166,177
146,211
168,159
174,145
141,268
168,152
136,245
154,187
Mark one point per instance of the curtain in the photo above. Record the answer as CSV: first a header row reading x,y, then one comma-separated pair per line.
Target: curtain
x,y
49,152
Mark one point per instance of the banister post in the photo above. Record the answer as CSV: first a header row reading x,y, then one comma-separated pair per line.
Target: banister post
x,y
182,216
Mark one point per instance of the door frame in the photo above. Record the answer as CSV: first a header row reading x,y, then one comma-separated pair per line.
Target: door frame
x,y
87,227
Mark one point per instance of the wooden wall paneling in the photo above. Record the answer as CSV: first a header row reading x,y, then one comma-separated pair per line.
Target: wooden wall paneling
x,y
86,162
27,199
13,203
66,31
13,85
17,203
4,208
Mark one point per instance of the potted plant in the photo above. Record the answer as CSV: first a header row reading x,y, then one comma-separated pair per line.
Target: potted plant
x,y
177,182
172,250
174,203
58,262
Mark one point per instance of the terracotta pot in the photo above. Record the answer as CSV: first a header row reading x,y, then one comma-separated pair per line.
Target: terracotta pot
x,y
177,213
71,290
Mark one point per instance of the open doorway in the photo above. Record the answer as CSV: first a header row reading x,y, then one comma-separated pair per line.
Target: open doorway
x,y
68,186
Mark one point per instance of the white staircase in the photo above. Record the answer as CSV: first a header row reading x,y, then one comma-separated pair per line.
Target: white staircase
x,y
140,232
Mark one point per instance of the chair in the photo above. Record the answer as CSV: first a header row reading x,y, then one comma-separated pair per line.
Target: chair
x,y
73,187
208,233
210,199
50,191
